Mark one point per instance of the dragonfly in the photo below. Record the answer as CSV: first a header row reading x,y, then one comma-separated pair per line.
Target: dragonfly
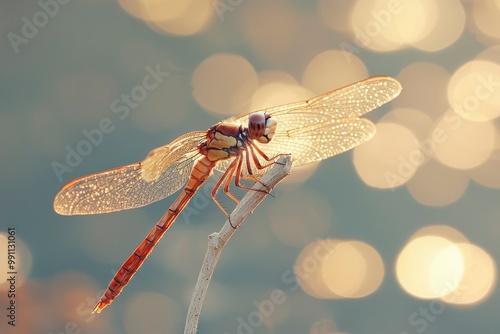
x,y
242,148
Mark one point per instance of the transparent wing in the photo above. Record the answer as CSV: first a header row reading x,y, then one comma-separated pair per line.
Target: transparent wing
x,y
164,171
326,125
320,141
353,100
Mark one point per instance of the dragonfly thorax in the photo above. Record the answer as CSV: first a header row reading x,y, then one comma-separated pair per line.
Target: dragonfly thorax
x,y
228,140
261,127
223,141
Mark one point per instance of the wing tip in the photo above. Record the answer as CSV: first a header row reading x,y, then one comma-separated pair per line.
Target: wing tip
x,y
396,85
61,209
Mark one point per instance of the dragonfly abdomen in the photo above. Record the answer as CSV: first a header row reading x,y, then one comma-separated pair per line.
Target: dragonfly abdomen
x,y
200,173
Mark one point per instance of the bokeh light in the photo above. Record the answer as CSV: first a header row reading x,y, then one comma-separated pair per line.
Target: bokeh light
x,y
172,17
375,24
353,269
224,84
479,276
390,25
473,91
463,144
269,77
339,269
63,301
485,19
390,159
429,267
487,173
71,292
418,122
439,262
437,185
276,93
491,54
22,261
443,231
448,23
335,14
308,268
323,73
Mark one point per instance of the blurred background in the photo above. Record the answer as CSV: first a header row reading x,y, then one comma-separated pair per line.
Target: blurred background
x,y
398,236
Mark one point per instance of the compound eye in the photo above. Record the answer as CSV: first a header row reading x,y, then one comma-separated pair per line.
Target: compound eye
x,y
256,125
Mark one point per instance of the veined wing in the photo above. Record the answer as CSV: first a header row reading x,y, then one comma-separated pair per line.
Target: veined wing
x,y
164,171
320,141
353,100
328,124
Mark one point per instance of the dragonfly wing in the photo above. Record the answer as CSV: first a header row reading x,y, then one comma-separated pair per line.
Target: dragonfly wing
x,y
356,99
161,158
243,119
325,125
353,100
164,171
315,142
320,141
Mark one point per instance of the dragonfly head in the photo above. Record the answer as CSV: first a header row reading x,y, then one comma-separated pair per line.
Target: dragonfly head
x,y
261,127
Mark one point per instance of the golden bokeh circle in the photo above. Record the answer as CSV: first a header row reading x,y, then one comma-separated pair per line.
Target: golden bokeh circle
x,y
353,269
429,267
474,90
224,84
437,185
335,269
390,159
479,278
172,17
463,144
327,71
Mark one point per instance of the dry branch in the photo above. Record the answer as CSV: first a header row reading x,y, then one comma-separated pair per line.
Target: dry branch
x,y
217,240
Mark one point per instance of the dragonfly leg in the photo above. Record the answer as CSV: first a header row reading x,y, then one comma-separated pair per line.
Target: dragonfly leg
x,y
249,151
256,161
228,174
239,173
261,153
252,148
237,167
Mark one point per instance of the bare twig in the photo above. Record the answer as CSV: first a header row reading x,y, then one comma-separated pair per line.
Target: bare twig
x,y
217,240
